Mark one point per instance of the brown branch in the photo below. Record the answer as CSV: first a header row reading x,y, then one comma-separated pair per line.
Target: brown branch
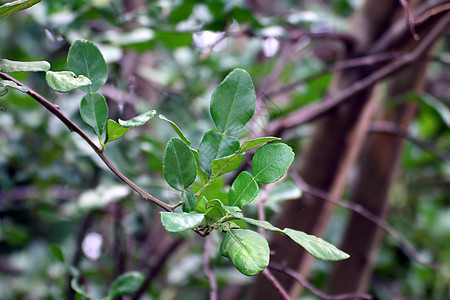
x,y
409,18
431,12
359,209
300,279
269,276
213,292
315,110
55,110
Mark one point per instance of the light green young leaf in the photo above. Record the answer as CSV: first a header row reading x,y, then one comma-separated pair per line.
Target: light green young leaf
x,y
177,130
233,102
84,58
94,112
10,66
189,201
5,84
179,165
114,131
248,250
243,190
226,164
271,161
317,247
215,145
15,6
65,81
176,222
126,284
138,120
251,144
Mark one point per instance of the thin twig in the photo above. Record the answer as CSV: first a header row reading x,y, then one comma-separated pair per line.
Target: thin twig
x,y
276,283
359,209
409,18
55,110
300,279
431,12
315,110
213,292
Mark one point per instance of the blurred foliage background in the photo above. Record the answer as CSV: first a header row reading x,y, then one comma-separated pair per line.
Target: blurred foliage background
x,y
170,56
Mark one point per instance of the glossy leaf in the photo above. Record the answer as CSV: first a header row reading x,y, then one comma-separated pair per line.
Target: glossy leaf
x,y
176,222
177,130
248,250
126,284
189,201
271,161
65,81
10,66
226,164
179,165
114,131
233,102
215,145
94,112
317,247
251,144
243,190
200,173
5,84
84,58
15,6
138,120
263,224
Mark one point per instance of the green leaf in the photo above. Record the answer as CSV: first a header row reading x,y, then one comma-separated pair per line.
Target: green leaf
x,y
10,66
226,164
248,250
173,39
271,161
114,131
84,58
79,289
15,6
233,102
5,84
215,145
138,120
317,247
57,253
189,201
202,202
177,130
243,190
263,224
179,165
203,176
176,222
126,284
65,81
94,112
251,144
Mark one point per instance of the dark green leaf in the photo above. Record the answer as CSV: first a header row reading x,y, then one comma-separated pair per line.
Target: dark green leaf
x,y
316,246
114,131
179,165
173,40
248,250
233,102
200,173
251,144
226,164
177,129
57,253
189,201
138,120
78,289
215,145
94,112
84,58
10,66
243,190
15,6
271,161
176,222
126,284
263,224
65,81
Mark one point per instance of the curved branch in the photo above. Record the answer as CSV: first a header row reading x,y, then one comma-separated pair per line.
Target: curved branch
x,y
56,110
